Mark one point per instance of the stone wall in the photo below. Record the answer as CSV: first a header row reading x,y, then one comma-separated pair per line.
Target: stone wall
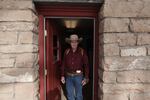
x,y
125,41
124,50
18,50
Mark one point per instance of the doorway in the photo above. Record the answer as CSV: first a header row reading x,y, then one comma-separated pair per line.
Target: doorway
x,y
50,51
57,30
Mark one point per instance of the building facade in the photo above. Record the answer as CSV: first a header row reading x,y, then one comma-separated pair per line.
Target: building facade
x,y
124,49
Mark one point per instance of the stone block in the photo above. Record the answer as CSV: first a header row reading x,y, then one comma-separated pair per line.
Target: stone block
x,y
6,78
140,96
114,25
24,91
140,25
125,88
6,91
135,76
26,48
148,50
109,77
111,50
17,15
101,26
115,96
18,75
7,56
133,51
8,37
7,63
35,39
6,96
36,89
123,39
16,4
101,54
18,26
6,88
143,39
28,37
126,8
101,39
26,60
109,38
126,63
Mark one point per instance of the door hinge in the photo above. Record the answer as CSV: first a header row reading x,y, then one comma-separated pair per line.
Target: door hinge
x,y
45,33
45,72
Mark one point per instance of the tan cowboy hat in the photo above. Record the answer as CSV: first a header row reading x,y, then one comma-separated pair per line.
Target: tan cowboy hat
x,y
73,37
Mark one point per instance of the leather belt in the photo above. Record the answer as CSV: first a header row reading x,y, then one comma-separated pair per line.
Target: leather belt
x,y
73,74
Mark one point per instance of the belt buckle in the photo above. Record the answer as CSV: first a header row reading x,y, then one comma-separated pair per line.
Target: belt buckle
x,y
78,71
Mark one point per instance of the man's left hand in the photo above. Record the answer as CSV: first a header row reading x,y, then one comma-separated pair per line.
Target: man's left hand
x,y
85,81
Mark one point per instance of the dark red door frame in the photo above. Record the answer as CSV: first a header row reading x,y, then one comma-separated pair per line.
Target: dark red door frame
x,y
65,10
41,56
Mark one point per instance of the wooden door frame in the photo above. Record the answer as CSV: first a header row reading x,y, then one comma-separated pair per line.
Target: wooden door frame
x,y
68,10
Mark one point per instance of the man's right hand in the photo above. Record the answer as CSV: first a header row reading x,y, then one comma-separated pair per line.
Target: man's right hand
x,y
63,79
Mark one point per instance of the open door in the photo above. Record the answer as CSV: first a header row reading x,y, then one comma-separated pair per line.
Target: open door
x,y
52,62
51,90
57,31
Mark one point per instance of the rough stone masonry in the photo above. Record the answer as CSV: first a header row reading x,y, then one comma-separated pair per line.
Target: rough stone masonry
x,y
124,56
18,50
125,41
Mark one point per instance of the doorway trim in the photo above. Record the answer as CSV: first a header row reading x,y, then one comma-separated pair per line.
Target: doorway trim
x,y
65,10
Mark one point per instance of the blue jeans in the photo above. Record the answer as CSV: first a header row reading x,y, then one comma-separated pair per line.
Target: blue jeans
x,y
74,87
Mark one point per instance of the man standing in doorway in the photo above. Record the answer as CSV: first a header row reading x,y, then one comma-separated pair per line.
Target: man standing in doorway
x,y
75,68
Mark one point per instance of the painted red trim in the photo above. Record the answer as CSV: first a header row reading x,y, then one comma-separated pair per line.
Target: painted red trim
x,y
96,60
49,51
71,10
67,11
41,55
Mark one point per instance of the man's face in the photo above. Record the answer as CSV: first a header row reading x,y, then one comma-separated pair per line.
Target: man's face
x,y
74,44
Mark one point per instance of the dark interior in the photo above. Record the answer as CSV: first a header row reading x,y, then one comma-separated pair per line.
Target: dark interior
x,y
84,29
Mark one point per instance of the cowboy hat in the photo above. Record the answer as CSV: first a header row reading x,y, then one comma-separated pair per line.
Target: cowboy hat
x,y
73,37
